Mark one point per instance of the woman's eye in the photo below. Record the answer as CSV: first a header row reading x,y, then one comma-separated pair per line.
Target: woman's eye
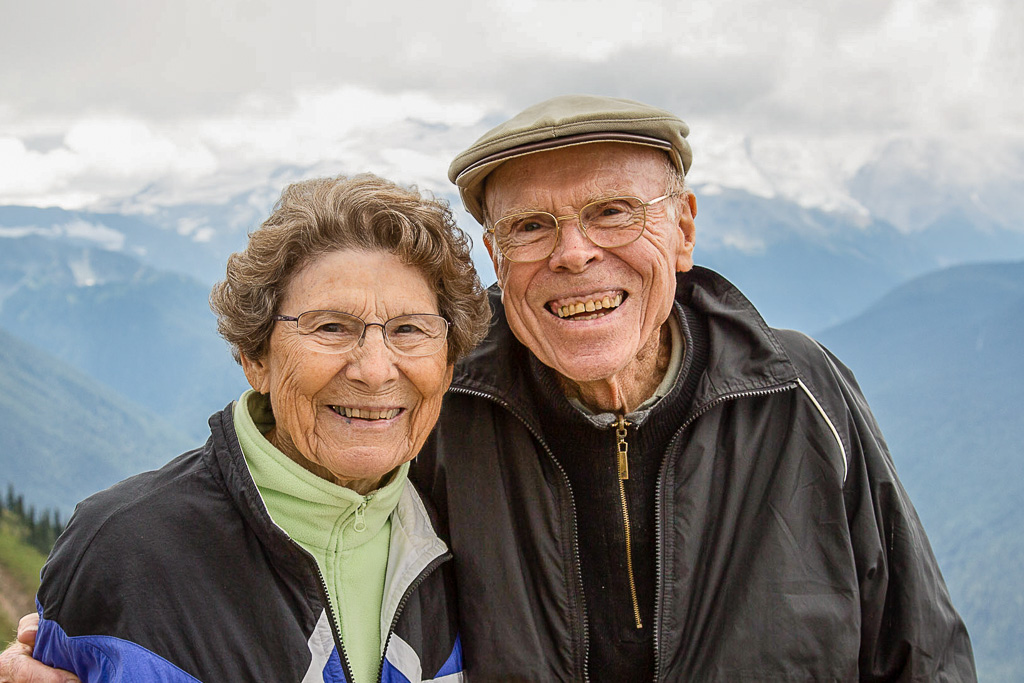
x,y
336,329
407,328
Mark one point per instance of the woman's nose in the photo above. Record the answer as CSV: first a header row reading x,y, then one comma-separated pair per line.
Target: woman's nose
x,y
372,362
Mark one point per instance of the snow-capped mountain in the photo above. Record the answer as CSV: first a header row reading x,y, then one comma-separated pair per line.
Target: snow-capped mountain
x,y
911,182
812,231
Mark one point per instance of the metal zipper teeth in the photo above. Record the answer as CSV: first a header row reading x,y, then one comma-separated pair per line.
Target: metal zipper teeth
x,y
622,454
335,629
657,518
572,504
427,571
629,555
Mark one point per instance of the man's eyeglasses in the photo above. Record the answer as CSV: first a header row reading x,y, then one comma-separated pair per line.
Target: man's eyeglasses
x,y
418,334
532,235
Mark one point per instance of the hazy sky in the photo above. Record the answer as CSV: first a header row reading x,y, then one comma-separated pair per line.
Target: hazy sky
x,y
193,99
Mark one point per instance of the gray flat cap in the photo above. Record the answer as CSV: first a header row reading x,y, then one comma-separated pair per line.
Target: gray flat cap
x,y
561,122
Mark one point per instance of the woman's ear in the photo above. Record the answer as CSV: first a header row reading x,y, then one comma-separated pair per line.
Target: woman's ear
x,y
257,373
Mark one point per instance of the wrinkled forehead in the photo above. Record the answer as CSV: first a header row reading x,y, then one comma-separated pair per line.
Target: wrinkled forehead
x,y
573,174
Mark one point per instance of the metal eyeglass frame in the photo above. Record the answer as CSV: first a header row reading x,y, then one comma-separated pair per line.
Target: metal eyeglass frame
x,y
579,221
362,335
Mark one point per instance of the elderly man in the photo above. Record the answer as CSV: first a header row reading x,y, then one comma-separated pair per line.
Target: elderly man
x,y
641,479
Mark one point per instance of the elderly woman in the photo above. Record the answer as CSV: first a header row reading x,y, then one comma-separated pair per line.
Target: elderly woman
x,y
290,547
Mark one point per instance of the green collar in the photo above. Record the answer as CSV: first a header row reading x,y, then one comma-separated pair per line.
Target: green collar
x,y
313,511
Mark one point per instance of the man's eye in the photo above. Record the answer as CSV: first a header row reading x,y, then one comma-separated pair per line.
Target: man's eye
x,y
613,208
529,224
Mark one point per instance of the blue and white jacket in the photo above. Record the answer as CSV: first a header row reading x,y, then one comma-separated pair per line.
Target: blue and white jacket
x,y
181,575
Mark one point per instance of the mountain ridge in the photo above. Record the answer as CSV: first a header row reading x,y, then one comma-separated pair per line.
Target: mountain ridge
x,y
939,361
64,436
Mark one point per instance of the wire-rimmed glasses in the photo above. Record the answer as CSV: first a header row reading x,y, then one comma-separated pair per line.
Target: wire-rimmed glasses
x,y
416,334
530,236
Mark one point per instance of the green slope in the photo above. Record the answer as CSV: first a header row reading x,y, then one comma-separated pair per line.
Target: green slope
x,y
19,573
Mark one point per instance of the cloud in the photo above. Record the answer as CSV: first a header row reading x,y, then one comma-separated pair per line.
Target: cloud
x,y
210,59
99,160
105,237
197,100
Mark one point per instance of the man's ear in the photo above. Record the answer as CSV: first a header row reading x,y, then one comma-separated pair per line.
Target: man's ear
x,y
489,243
495,255
257,373
687,213
489,238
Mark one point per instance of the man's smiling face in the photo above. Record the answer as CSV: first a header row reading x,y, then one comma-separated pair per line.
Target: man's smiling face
x,y
594,345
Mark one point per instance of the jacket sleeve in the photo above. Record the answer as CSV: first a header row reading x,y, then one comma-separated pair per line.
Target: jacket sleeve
x,y
910,630
85,607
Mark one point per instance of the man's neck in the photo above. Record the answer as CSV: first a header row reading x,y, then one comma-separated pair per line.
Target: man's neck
x,y
625,391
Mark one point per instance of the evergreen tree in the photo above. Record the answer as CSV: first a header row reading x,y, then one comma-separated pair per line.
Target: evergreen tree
x,y
39,531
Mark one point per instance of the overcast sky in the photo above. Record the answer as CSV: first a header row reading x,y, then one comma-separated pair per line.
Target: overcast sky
x,y
194,99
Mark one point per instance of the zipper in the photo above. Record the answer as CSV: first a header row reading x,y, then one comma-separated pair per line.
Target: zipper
x,y
572,505
622,451
360,524
427,571
335,629
332,620
657,518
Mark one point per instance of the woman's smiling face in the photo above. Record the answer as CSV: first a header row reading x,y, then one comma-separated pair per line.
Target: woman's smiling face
x,y
399,397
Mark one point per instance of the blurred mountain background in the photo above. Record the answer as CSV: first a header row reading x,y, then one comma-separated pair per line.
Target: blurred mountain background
x,y
110,363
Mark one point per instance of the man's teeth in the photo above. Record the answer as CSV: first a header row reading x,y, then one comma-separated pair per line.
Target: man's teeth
x,y
365,414
589,306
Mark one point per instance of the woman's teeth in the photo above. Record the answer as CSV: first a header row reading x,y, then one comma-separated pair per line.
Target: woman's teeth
x,y
365,414
590,306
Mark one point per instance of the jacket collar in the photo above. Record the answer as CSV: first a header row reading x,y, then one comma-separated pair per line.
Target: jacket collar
x,y
744,353
418,546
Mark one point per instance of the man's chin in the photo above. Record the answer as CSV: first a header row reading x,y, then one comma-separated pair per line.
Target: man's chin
x,y
589,369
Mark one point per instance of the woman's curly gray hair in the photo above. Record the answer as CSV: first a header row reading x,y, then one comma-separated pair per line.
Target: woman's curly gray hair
x,y
364,212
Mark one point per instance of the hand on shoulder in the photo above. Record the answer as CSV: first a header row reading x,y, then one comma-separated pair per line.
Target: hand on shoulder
x,y
17,665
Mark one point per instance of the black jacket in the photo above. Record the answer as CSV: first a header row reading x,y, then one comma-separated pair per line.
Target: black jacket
x,y
180,574
787,549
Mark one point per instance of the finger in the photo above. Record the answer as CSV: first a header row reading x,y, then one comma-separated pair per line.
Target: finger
x,y
17,666
27,627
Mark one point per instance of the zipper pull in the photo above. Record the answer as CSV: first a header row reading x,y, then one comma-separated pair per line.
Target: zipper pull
x,y
360,525
622,447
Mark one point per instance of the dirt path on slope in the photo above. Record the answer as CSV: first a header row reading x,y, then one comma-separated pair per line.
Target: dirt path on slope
x,y
14,603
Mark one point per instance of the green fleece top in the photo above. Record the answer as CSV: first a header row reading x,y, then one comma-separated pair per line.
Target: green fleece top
x,y
347,533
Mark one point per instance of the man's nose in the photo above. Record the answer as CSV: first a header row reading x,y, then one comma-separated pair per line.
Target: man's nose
x,y
574,250
372,362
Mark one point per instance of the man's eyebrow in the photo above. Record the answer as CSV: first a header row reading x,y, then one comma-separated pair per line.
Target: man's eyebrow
x,y
520,209
588,200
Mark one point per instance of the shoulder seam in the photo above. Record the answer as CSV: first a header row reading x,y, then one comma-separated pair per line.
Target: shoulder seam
x,y
832,427
815,345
